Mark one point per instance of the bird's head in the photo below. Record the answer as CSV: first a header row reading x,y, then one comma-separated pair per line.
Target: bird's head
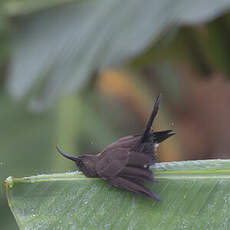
x,y
85,163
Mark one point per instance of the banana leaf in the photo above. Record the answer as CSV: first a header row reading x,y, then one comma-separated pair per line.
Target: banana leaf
x,y
194,195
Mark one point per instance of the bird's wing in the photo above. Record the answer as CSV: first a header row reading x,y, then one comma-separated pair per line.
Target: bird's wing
x,y
112,162
125,169
132,186
124,163
140,159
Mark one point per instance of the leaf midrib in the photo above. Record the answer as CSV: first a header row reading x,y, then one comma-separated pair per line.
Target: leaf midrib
x,y
75,176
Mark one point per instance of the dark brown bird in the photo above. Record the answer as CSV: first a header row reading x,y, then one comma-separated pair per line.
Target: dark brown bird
x,y
125,163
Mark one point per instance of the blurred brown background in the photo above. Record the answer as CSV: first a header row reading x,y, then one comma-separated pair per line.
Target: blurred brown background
x,y
81,74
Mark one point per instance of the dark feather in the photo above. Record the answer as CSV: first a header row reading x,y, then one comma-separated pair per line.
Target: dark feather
x,y
138,173
151,119
139,160
110,163
125,163
132,186
160,136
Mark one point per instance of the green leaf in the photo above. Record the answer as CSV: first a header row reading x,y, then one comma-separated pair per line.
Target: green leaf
x,y
194,195
58,48
28,153
24,7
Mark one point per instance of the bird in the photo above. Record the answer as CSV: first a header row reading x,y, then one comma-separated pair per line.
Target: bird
x,y
126,162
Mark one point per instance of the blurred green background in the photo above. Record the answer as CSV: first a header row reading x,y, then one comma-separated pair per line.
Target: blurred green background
x,y
80,74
